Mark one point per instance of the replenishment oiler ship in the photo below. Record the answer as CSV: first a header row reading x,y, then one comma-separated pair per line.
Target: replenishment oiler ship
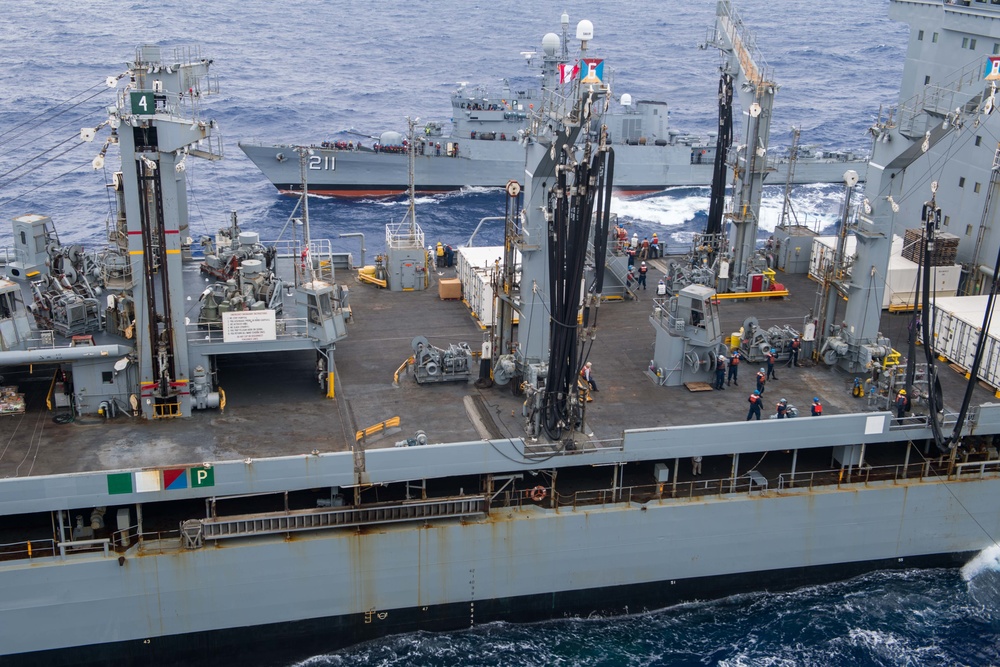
x,y
482,144
303,456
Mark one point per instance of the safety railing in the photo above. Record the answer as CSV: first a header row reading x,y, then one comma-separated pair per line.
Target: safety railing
x,y
286,328
929,469
29,549
559,449
962,87
159,541
78,546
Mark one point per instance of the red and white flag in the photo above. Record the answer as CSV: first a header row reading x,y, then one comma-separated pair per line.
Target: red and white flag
x,y
568,72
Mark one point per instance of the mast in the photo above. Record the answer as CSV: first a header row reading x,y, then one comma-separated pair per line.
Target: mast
x,y
568,176
756,84
308,274
159,127
411,159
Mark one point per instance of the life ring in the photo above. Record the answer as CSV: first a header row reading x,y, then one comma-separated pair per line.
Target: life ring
x,y
538,493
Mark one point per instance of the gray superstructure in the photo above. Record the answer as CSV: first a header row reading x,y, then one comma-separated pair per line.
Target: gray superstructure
x,y
485,146
293,518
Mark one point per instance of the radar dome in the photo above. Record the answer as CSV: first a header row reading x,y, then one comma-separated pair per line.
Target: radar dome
x,y
391,138
626,100
550,44
585,30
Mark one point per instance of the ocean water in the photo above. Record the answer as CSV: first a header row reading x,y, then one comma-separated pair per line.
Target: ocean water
x,y
301,72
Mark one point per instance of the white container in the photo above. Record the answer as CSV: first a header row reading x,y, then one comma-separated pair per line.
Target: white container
x,y
901,285
476,266
956,324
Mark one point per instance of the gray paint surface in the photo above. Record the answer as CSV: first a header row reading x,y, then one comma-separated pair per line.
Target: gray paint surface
x,y
334,573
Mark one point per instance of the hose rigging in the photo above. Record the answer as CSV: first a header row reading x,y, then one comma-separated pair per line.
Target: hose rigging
x,y
579,186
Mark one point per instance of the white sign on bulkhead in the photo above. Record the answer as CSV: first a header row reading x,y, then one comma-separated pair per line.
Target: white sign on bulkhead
x,y
248,326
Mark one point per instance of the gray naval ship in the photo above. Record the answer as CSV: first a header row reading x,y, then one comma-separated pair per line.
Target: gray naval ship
x,y
294,459
484,145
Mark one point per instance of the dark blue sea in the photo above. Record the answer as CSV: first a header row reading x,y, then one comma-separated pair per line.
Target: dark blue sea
x,y
303,72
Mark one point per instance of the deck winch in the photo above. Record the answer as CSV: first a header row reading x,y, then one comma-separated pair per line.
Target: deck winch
x,y
433,364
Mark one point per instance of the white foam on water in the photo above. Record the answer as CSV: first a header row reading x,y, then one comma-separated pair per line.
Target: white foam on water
x,y
987,560
816,206
668,209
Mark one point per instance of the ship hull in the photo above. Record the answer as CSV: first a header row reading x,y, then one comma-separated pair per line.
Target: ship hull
x,y
365,173
303,595
301,639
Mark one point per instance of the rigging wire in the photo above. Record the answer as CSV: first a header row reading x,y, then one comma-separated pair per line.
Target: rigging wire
x,y
50,113
69,171
35,157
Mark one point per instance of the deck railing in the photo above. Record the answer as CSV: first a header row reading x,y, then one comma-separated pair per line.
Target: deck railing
x,y
27,550
751,483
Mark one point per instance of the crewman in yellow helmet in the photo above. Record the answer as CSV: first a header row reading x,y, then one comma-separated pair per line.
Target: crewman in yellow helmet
x,y
440,255
902,403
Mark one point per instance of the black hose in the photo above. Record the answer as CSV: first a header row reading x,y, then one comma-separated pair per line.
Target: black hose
x,y
722,143
933,383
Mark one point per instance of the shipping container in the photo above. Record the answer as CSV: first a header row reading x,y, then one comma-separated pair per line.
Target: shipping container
x,y
956,323
902,276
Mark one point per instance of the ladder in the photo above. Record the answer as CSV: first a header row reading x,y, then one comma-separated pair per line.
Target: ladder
x,y
270,523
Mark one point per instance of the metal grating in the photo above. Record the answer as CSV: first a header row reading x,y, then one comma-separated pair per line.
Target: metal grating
x,y
345,517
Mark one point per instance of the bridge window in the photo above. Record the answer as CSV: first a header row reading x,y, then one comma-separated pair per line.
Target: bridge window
x,y
996,48
976,189
979,139
965,42
972,44
6,306
961,182
934,38
968,230
920,35
947,219
927,80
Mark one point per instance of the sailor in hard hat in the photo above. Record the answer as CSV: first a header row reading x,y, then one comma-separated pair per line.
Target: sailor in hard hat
x,y
642,275
720,372
772,356
902,403
782,408
754,401
817,407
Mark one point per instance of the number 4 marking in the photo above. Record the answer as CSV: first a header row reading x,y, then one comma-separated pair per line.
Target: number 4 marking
x,y
143,104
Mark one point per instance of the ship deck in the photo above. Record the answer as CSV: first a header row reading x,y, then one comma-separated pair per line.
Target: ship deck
x,y
274,406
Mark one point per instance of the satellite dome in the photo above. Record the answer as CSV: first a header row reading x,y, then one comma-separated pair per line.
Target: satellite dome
x,y
626,100
551,44
585,30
